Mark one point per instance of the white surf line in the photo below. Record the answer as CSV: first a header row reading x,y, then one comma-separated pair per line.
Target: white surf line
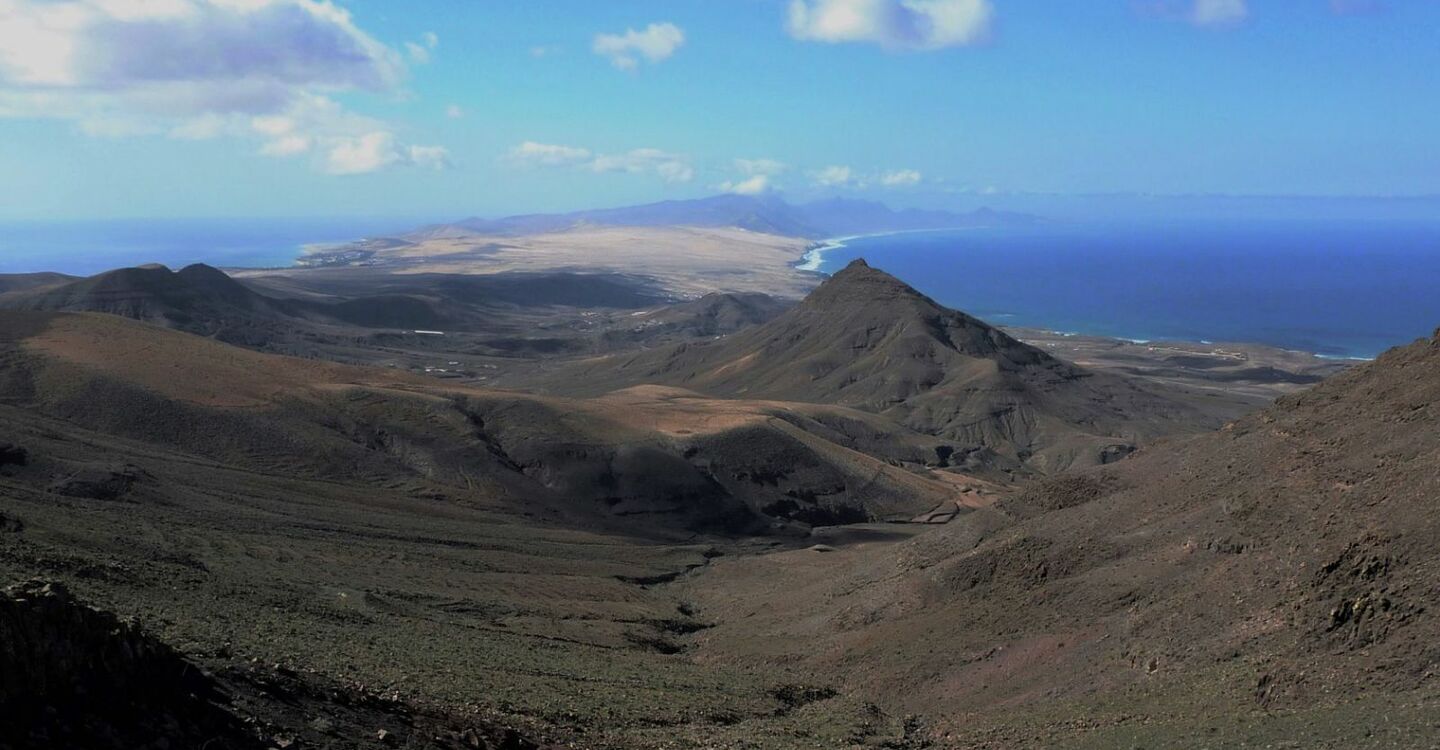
x,y
815,256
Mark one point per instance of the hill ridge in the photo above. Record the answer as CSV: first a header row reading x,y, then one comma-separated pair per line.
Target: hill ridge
x,y
1284,561
866,340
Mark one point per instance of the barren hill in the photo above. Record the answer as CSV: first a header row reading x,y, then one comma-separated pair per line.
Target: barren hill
x,y
866,340
151,293
204,300
19,282
1273,580
646,460
491,558
488,558
714,314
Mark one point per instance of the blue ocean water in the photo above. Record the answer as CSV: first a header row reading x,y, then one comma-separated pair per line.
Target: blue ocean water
x,y
87,247
1343,289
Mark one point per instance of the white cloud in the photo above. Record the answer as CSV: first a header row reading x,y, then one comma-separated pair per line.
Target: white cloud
x,y
365,153
1218,12
893,24
657,42
420,51
669,167
454,112
287,145
429,157
548,154
757,176
900,178
113,46
836,176
675,170
846,178
200,69
374,151
752,186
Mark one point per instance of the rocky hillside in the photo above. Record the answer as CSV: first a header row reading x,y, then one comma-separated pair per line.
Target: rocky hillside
x,y
151,293
1283,564
644,461
866,340
19,282
206,301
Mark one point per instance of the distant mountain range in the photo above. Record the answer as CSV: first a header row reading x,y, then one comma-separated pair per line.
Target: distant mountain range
x,y
769,214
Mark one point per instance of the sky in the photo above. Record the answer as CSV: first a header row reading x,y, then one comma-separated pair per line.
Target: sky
x,y
216,108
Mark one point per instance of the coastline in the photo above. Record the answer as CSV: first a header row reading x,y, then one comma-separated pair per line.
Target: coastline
x,y
814,255
814,258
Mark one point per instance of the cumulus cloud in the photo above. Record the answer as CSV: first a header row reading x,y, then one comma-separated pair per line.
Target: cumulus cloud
x,y
669,167
429,157
377,150
1218,12
845,178
757,176
202,69
287,145
531,153
655,43
754,185
343,143
365,153
836,177
893,24
900,178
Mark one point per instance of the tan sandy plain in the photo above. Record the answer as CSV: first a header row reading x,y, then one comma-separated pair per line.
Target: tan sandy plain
x,y
688,261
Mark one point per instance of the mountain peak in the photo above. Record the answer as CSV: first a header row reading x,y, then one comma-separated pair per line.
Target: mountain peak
x,y
867,340
860,284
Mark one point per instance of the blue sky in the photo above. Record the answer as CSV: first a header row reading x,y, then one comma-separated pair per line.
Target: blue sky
x,y
163,108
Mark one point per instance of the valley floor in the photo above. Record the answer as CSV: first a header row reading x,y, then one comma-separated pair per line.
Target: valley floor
x,y
441,600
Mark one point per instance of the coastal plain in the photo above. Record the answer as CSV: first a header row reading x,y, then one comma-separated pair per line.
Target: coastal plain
x,y
681,263
687,262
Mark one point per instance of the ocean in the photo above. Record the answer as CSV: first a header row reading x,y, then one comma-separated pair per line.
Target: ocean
x,y
88,247
1347,289
1336,288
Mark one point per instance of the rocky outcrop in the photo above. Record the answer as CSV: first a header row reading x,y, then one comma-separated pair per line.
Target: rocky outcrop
x,y
13,455
75,676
